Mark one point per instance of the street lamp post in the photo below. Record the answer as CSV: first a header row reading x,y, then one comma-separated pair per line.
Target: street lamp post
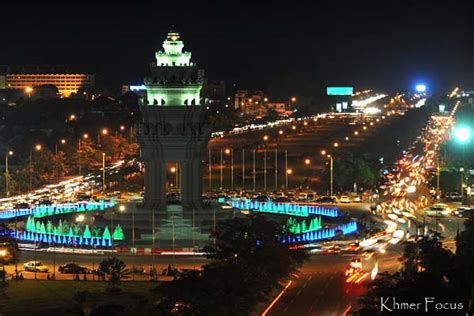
x,y
62,141
331,169
461,170
7,175
254,182
276,169
210,170
222,168
243,169
38,147
103,173
286,169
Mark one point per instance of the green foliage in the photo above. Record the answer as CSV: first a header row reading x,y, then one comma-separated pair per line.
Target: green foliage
x,y
116,269
248,261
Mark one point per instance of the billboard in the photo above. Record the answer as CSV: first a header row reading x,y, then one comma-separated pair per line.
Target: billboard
x,y
339,90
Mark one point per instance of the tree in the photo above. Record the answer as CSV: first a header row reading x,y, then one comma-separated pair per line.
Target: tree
x,y
9,254
247,255
116,269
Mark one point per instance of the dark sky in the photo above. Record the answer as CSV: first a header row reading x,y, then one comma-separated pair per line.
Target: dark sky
x,y
298,48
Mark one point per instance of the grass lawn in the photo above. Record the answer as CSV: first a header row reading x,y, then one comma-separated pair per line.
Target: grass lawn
x,y
32,297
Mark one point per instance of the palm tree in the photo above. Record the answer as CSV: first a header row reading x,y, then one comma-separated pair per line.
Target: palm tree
x,y
116,269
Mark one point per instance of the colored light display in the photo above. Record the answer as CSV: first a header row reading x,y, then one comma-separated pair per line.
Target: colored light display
x,y
64,229
58,209
296,227
321,234
63,240
339,90
286,208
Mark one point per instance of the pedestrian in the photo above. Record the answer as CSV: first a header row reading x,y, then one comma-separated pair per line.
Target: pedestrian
x,y
48,277
84,277
77,277
169,269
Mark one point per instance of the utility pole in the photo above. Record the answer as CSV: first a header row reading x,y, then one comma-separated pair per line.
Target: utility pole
x,y
210,170
103,173
243,169
276,169
286,169
254,171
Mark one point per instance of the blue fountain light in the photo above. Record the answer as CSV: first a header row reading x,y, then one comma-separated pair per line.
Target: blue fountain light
x,y
286,208
321,234
58,209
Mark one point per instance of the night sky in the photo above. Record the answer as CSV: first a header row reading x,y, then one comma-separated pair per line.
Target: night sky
x,y
293,49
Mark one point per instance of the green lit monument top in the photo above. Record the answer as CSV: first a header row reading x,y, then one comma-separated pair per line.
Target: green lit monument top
x,y
173,54
175,80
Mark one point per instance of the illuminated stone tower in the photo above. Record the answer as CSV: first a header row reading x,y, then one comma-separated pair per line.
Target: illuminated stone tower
x,y
173,127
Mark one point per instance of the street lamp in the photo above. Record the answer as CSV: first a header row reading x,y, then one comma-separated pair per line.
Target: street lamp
x,y
463,134
37,147
336,144
29,90
461,170
265,138
307,161
331,168
103,173
356,133
7,176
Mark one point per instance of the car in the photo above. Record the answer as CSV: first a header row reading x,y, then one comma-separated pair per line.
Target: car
x,y
454,196
262,199
73,268
326,199
356,198
345,199
22,205
35,266
462,211
282,200
437,210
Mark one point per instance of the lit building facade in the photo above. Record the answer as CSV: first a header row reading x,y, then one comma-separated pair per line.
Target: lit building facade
x,y
66,83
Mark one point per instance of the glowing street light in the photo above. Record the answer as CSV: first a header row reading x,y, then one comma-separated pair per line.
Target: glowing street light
x,y
364,128
173,169
7,177
307,161
323,152
356,133
280,132
122,128
293,127
85,136
227,151
336,144
38,147
104,131
265,138
462,134
289,171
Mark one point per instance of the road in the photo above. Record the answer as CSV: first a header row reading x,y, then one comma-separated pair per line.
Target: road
x,y
321,288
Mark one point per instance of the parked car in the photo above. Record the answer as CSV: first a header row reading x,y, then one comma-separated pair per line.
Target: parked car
x,y
35,266
345,199
73,268
326,199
